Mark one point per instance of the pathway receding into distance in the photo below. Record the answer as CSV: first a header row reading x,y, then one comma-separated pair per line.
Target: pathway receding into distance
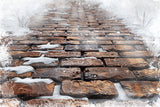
x,y
84,51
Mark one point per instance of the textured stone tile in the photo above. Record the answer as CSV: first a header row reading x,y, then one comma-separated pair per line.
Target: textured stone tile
x,y
58,74
101,54
56,103
127,62
108,73
81,62
92,89
63,54
140,89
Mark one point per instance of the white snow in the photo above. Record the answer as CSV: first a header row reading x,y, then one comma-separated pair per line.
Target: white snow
x,y
29,80
48,46
41,59
19,69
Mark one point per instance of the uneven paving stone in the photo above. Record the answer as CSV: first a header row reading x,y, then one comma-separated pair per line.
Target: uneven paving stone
x,y
6,75
127,62
21,54
81,48
108,73
96,42
10,102
136,54
62,54
101,54
25,91
140,89
45,49
128,42
31,42
118,47
56,103
82,62
92,89
147,74
18,48
58,74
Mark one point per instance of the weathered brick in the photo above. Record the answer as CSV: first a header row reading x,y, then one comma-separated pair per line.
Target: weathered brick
x,y
56,103
108,73
27,90
92,89
44,49
136,54
101,54
127,62
118,47
31,42
58,42
62,54
81,48
147,74
140,89
135,42
21,54
96,42
50,38
81,62
18,48
58,74
13,102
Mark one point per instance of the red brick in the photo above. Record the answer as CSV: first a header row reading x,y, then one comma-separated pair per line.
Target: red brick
x,y
18,48
21,54
81,62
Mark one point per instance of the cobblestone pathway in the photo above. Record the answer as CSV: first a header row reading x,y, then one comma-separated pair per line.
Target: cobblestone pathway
x,y
86,52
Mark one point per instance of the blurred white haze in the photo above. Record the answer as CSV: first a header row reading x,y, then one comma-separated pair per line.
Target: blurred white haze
x,y
141,16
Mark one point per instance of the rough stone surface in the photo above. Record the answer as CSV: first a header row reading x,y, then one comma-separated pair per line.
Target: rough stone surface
x,y
140,89
10,102
108,73
81,48
118,47
81,62
101,54
56,103
147,74
58,74
25,91
92,89
127,62
136,54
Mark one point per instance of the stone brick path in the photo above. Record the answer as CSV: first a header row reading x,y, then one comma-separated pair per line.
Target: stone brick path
x,y
86,51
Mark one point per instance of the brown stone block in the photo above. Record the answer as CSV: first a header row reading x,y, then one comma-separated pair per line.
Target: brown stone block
x,y
58,74
135,42
21,54
101,54
27,90
127,62
140,89
56,103
58,42
92,89
10,102
75,38
31,42
118,47
81,62
18,48
45,49
81,48
50,38
147,74
96,42
108,73
62,54
136,54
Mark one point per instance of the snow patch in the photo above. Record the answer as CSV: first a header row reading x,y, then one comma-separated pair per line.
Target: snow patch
x,y
29,80
41,59
48,46
19,69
